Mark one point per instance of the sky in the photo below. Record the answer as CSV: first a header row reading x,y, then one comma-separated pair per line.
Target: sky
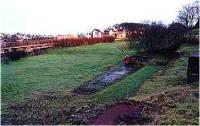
x,y
76,16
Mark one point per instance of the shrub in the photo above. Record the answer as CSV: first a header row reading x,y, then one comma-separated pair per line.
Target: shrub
x,y
157,37
64,42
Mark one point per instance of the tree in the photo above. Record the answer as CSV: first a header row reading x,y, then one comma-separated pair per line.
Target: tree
x,y
14,38
196,10
177,30
153,38
189,14
159,37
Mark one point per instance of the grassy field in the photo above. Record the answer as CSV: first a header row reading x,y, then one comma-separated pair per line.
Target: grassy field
x,y
52,75
58,69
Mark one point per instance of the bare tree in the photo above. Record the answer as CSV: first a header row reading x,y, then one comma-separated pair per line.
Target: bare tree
x,y
196,11
189,14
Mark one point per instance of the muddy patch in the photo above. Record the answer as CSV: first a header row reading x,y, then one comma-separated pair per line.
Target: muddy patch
x,y
120,111
126,113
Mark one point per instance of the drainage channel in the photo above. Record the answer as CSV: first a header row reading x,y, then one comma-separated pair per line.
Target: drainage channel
x,y
105,79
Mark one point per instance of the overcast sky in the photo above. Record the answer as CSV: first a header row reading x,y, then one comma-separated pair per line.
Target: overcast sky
x,y
75,16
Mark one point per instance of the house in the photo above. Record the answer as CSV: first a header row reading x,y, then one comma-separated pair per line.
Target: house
x,y
96,33
117,33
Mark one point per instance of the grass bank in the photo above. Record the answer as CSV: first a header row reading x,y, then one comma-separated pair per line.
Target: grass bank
x,y
174,74
173,77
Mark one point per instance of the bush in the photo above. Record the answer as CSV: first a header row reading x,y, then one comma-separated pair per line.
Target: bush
x,y
83,41
157,37
64,42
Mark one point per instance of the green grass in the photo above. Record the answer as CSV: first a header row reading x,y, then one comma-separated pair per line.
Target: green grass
x,y
126,85
164,79
64,68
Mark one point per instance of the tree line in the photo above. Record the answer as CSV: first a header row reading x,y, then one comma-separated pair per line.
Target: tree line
x,y
156,36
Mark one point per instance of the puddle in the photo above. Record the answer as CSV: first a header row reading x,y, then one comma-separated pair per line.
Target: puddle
x,y
114,75
121,72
